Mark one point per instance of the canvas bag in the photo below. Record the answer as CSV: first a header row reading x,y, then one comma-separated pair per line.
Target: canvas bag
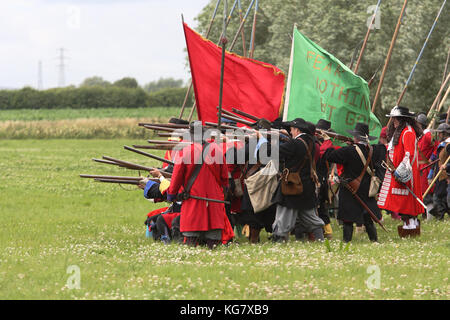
x,y
261,186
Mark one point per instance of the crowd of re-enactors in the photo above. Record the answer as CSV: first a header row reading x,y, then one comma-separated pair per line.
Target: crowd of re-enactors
x,y
306,178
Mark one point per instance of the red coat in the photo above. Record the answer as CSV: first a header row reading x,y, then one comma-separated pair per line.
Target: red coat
x,y
426,147
393,195
201,215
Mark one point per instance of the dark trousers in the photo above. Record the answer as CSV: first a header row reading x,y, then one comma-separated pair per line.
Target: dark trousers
x,y
368,223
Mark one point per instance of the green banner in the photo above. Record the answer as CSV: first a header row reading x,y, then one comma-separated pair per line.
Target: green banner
x,y
322,87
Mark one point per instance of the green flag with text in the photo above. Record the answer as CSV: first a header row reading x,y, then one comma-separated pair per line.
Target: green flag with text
x,y
321,87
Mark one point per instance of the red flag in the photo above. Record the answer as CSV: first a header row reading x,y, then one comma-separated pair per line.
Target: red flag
x,y
249,85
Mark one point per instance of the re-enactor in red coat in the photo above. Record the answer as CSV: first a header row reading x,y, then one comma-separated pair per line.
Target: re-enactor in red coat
x,y
201,218
403,153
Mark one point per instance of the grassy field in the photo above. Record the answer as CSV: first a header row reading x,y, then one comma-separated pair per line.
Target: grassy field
x,y
100,113
55,224
108,123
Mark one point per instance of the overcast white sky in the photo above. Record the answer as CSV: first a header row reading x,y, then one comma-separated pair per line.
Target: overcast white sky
x,y
109,38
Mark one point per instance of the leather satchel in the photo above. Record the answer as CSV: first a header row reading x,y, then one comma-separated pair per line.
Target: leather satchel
x,y
353,185
291,182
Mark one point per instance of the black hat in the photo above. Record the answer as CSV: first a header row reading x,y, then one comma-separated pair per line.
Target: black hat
x,y
422,119
443,127
311,128
178,121
228,121
298,123
262,124
361,132
277,123
399,111
443,118
323,124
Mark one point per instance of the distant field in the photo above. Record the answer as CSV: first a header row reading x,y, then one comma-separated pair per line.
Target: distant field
x,y
108,123
67,114
55,224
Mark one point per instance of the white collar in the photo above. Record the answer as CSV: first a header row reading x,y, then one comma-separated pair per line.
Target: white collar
x,y
299,135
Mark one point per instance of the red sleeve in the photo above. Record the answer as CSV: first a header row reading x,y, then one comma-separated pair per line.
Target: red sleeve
x,y
325,145
179,171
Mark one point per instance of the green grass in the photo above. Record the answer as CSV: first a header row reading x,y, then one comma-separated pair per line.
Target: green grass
x,y
68,114
52,219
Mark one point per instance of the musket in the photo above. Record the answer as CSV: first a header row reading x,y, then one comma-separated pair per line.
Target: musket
x,y
166,142
245,114
148,155
165,125
169,135
110,177
159,128
118,181
335,135
127,164
436,177
185,196
239,120
372,215
429,165
105,161
156,147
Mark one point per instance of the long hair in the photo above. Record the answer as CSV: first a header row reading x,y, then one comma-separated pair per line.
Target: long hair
x,y
394,133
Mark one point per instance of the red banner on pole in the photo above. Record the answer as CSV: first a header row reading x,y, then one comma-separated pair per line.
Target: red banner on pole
x,y
249,85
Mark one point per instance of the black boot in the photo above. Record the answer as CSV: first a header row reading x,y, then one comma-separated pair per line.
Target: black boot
x,y
191,241
348,232
254,235
372,232
213,243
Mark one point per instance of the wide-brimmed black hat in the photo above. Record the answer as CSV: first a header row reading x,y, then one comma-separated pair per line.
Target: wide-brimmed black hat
x,y
361,132
443,118
298,123
443,127
178,121
228,121
399,111
262,124
323,124
422,119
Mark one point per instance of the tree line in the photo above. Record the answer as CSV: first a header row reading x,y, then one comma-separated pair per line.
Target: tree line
x,y
339,26
95,92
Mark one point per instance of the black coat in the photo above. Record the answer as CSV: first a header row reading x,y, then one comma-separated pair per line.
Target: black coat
x,y
349,208
291,155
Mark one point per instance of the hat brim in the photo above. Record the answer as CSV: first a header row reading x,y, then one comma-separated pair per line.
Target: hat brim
x,y
358,135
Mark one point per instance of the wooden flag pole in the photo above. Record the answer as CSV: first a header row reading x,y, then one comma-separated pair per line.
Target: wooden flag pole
x,y
223,41
244,50
388,57
436,100
206,36
445,69
366,37
420,54
230,48
252,39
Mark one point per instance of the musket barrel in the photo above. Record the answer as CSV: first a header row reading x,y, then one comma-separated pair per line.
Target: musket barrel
x,y
245,114
110,177
118,181
149,155
129,165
